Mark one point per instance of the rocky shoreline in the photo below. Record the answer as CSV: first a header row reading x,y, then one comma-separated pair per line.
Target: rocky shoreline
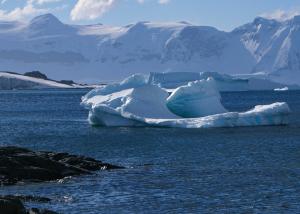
x,y
14,204
20,165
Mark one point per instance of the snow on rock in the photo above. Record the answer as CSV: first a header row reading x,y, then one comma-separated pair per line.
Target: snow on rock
x,y
148,105
9,81
196,99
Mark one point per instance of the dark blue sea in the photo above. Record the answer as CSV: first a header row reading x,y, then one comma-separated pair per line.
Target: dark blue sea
x,y
224,170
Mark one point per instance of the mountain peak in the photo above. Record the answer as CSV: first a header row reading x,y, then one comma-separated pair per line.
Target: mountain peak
x,y
264,21
45,19
47,24
296,20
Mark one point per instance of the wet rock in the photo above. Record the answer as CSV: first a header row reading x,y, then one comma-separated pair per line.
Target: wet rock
x,y
67,82
40,211
14,205
23,165
11,206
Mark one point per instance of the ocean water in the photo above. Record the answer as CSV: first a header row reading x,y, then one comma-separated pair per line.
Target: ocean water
x,y
225,170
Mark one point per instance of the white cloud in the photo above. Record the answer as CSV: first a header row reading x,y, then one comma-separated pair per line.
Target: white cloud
x,y
40,2
93,9
83,9
281,15
28,11
31,9
90,9
164,1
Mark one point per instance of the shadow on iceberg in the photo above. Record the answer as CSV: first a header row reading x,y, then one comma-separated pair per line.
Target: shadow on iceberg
x,y
135,102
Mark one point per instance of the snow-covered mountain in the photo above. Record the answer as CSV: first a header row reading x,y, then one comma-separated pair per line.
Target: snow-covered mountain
x,y
30,80
10,81
93,53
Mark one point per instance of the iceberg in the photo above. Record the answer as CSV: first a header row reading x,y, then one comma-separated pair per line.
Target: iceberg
x,y
132,81
262,115
224,82
172,80
281,89
136,102
196,99
128,107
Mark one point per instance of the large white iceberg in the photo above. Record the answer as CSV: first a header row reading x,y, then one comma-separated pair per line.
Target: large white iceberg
x,y
136,102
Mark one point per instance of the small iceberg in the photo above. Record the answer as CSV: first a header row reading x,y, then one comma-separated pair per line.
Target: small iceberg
x,y
136,102
281,89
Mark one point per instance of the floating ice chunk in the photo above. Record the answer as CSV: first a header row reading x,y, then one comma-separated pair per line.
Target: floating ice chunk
x,y
281,89
274,114
197,99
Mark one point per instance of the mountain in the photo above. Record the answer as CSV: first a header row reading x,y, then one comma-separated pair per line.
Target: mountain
x,y
275,46
35,80
93,53
10,81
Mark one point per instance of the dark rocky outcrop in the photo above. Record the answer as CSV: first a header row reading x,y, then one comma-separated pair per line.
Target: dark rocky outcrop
x,y
14,205
36,74
40,211
11,205
67,82
22,165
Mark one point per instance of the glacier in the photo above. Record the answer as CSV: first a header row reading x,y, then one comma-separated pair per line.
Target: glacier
x,y
136,102
99,53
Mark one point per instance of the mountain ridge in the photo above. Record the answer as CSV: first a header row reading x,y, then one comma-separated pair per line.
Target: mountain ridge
x,y
91,53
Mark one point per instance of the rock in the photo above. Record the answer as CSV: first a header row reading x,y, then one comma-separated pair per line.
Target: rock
x,y
11,206
22,165
40,211
14,205
67,82
36,74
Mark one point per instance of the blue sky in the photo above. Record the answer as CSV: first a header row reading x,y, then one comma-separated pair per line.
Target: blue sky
x,y
223,14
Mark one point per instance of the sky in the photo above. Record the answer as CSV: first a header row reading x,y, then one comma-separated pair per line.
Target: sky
x,y
222,14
